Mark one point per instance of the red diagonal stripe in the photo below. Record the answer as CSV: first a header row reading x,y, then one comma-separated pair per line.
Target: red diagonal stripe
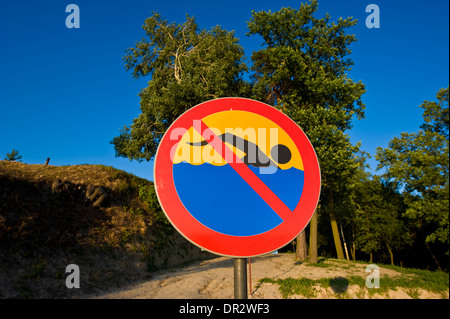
x,y
246,173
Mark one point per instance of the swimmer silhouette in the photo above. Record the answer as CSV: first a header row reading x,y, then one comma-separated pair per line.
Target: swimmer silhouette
x,y
253,155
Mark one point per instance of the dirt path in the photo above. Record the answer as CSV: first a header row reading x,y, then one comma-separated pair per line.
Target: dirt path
x,y
213,279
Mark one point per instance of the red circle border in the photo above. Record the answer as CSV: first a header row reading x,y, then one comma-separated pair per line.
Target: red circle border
x,y
227,245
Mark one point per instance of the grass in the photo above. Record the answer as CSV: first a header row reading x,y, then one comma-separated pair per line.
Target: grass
x,y
410,282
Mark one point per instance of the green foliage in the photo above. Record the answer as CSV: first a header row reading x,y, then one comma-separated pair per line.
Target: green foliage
x,y
147,194
420,163
437,281
320,264
308,287
38,270
378,222
187,66
126,236
299,286
411,282
13,156
302,69
302,72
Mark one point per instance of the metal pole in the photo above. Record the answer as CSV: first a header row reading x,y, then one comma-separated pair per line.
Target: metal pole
x,y
250,278
240,278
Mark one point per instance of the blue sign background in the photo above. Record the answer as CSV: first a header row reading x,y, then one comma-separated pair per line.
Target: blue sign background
x,y
221,200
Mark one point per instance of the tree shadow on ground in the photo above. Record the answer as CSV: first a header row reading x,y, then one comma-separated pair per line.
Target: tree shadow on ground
x,y
339,284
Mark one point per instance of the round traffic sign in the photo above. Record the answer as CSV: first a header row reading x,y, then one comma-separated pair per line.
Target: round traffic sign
x,y
237,177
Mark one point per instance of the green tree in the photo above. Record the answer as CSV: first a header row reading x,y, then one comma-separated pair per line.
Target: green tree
x,y
419,162
302,71
378,222
186,66
13,156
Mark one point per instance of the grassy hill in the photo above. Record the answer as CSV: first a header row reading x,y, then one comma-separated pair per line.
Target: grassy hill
x,y
105,220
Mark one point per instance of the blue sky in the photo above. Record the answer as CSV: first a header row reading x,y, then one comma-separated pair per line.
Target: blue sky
x,y
64,93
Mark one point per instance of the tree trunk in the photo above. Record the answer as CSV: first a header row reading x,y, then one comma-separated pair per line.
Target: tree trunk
x,y
337,240
313,258
434,257
345,244
301,252
371,257
334,229
353,250
391,253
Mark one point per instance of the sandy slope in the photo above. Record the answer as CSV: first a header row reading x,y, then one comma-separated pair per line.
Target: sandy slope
x,y
214,279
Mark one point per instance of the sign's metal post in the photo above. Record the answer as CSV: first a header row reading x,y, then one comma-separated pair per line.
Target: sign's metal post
x,y
250,278
240,278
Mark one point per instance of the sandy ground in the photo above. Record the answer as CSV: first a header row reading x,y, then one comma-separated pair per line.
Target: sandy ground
x,y
213,279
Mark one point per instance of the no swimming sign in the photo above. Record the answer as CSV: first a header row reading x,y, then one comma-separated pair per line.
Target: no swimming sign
x,y
237,177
